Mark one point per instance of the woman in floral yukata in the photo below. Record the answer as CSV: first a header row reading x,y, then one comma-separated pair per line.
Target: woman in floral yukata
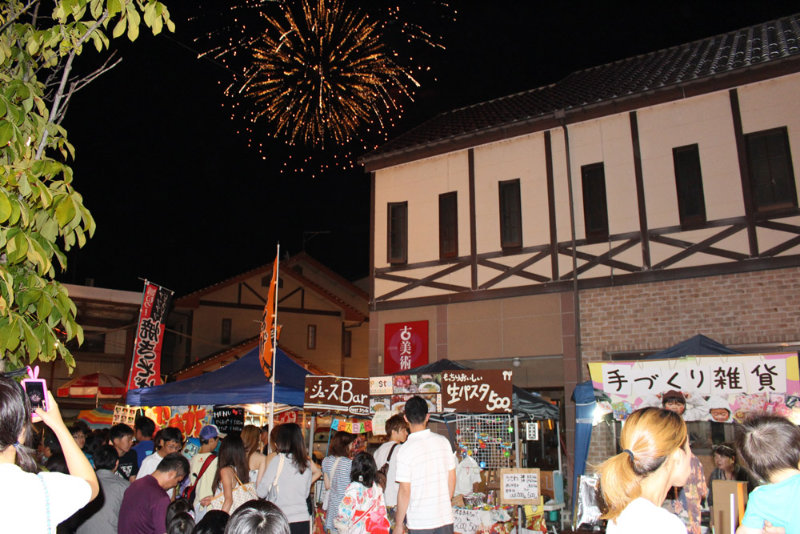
x,y
362,509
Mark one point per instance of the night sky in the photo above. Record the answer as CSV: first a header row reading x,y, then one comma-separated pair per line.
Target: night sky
x,y
179,197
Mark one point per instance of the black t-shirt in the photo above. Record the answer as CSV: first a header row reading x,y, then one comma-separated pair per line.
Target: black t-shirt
x,y
128,465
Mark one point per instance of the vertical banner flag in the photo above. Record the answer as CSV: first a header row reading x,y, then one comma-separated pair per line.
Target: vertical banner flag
x,y
268,326
146,364
405,346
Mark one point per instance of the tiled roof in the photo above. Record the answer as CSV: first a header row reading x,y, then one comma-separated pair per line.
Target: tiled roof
x,y
765,43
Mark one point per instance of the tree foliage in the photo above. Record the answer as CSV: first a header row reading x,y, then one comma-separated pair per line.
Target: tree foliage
x,y
41,214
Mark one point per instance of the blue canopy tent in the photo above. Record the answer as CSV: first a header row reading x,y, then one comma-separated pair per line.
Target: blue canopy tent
x,y
239,382
698,345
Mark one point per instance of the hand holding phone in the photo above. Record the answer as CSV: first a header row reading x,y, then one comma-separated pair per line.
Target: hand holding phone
x,y
36,389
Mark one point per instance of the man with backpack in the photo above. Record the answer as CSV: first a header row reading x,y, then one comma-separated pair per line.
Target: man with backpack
x,y
202,468
386,460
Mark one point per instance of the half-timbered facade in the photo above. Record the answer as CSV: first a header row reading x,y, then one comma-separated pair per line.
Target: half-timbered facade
x,y
323,319
672,172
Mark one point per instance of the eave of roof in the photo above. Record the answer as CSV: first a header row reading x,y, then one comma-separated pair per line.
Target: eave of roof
x,y
710,64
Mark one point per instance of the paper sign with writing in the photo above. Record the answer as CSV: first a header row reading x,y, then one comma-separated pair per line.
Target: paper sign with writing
x,y
380,385
337,394
486,391
229,419
519,486
715,388
532,431
466,521
189,419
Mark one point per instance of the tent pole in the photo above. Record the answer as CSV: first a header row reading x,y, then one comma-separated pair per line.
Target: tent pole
x,y
516,435
274,339
311,431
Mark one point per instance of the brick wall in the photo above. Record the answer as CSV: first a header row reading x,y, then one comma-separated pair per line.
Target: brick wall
x,y
735,309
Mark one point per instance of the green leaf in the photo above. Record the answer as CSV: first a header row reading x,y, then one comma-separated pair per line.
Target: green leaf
x,y
65,210
6,132
2,108
119,29
114,7
5,207
9,335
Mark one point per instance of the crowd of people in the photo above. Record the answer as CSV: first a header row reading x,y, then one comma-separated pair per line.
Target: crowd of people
x,y
139,481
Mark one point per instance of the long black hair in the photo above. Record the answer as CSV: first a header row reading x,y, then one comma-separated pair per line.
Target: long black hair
x,y
290,441
15,416
363,469
231,454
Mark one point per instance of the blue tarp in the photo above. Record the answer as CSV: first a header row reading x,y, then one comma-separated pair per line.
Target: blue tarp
x,y
583,396
239,382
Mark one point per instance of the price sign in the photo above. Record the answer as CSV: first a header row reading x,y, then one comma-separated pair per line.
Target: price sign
x,y
337,394
380,385
229,419
532,431
466,521
477,391
519,486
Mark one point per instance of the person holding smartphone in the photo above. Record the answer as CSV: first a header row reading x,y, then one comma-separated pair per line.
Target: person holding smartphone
x,y
31,501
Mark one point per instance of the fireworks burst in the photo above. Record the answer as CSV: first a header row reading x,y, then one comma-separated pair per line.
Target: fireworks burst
x,y
323,73
326,80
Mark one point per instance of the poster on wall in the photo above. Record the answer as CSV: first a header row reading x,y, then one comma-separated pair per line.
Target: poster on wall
x,y
710,388
405,346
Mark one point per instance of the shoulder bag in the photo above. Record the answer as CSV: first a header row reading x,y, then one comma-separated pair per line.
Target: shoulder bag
x,y
326,492
241,494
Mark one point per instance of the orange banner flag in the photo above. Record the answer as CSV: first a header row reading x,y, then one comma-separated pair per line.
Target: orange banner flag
x,y
268,326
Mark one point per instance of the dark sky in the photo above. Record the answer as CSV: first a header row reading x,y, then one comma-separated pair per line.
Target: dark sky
x,y
179,198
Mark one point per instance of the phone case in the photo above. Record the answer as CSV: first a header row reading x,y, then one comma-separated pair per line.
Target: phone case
x,y
36,389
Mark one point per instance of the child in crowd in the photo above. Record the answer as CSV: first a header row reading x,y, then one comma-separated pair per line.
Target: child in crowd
x,y
769,447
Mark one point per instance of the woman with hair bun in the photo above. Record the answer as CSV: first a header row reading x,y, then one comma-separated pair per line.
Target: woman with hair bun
x,y
655,457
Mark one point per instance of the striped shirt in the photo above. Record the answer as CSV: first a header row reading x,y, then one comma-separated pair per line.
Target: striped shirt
x,y
425,460
339,482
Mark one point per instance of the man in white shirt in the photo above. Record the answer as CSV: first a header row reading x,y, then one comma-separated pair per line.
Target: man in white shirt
x,y
426,473
397,429
168,441
209,439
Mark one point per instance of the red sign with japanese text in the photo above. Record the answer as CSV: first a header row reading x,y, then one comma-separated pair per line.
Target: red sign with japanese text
x,y
146,364
405,346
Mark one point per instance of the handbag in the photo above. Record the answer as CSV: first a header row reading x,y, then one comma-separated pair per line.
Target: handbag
x,y
382,474
326,492
272,493
241,494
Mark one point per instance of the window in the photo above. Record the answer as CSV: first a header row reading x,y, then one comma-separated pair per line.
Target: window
x,y
311,337
448,225
510,215
225,338
595,207
771,175
347,343
689,184
397,230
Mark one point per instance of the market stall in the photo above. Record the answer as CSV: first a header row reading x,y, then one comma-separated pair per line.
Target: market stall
x,y
481,412
714,390
190,404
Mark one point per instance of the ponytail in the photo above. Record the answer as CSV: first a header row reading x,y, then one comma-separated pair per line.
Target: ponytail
x,y
648,436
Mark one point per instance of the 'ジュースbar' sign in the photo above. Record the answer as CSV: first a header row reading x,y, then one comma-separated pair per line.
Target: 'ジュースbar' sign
x,y
337,394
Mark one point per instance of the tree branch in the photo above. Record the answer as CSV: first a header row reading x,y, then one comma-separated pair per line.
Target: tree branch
x,y
80,83
62,85
13,19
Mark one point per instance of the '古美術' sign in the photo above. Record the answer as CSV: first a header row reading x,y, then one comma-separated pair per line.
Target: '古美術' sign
x,y
713,388
405,346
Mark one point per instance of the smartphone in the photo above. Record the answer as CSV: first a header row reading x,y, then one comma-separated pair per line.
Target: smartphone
x,y
36,389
